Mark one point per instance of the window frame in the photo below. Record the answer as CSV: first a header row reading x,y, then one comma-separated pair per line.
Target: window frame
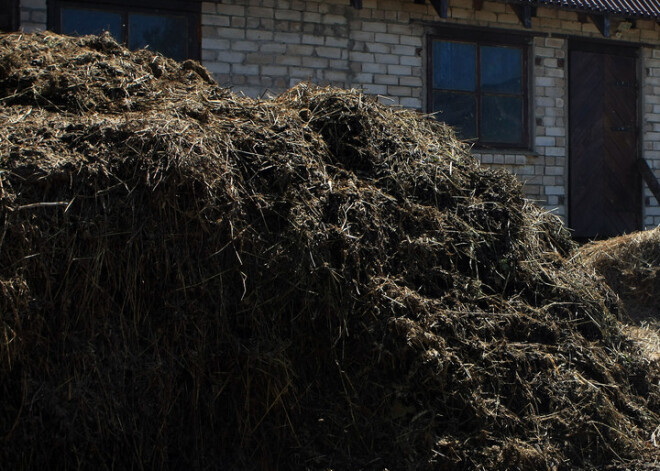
x,y
190,9
481,37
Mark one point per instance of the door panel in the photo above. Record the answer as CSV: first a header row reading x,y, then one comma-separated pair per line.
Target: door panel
x,y
605,196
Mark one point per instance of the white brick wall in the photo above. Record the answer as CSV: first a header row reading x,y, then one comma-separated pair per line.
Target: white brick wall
x,y
33,15
650,127
325,42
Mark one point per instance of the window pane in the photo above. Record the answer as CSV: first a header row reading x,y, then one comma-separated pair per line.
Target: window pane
x,y
165,34
79,22
454,66
459,110
501,69
501,119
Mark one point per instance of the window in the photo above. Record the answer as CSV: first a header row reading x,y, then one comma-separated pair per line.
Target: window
x,y
8,15
169,27
479,86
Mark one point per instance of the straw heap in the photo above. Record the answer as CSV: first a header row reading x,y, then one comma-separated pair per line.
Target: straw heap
x,y
317,281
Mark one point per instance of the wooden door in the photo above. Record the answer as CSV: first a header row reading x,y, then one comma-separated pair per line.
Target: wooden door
x,y
605,193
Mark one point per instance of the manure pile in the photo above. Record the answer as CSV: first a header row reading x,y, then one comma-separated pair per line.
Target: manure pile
x,y
630,265
190,279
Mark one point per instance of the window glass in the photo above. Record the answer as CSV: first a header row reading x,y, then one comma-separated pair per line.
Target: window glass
x,y
501,69
80,22
501,118
454,66
458,110
165,34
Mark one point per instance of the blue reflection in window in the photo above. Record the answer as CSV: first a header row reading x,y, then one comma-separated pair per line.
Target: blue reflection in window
x,y
459,110
501,69
454,66
165,34
501,118
80,22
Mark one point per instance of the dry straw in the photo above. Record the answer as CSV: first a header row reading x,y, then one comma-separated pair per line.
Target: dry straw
x,y
317,281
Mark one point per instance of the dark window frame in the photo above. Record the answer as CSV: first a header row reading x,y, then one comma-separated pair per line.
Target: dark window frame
x,y
9,18
482,37
191,9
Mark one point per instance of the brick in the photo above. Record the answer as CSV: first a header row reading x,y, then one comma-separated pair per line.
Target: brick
x,y
215,44
244,46
544,81
238,22
411,81
555,131
555,190
374,68
272,48
387,58
328,52
273,70
337,76
399,70
208,8
363,36
230,33
555,151
259,12
361,57
315,62
415,41
403,50
288,38
387,38
291,15
334,20
385,79
231,57
245,69
364,77
398,29
379,48
411,102
556,43
374,89
259,58
215,20
338,64
312,39
286,59
336,42
218,67
230,10
259,35
545,141
375,27
301,72
413,61
311,17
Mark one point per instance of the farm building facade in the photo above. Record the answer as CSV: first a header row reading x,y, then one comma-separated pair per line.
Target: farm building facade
x,y
564,94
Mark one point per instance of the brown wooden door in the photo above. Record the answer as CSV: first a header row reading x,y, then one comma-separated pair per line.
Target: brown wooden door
x,y
605,195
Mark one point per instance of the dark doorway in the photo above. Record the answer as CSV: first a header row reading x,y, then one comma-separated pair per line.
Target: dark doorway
x,y
605,192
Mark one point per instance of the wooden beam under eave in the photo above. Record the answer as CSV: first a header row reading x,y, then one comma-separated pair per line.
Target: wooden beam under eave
x,y
441,7
524,13
602,22
477,5
357,4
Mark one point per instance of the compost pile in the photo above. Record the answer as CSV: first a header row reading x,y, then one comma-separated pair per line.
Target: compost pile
x,y
630,265
194,279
